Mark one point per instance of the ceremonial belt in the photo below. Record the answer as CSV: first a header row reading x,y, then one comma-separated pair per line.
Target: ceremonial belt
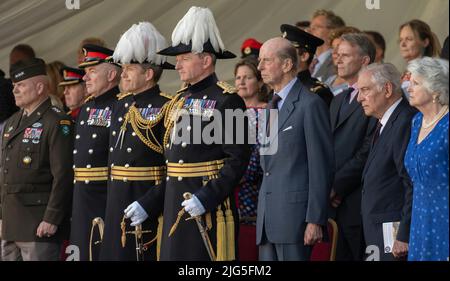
x,y
91,174
191,170
122,173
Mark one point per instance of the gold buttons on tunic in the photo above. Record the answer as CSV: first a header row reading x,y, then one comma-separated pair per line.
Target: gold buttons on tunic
x,y
27,160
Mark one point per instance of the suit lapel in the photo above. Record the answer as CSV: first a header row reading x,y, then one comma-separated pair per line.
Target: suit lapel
x,y
13,125
385,133
334,110
283,116
288,105
352,107
34,117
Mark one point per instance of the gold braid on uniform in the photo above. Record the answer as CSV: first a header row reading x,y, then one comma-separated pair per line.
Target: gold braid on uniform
x,y
91,97
139,123
98,221
227,88
170,113
123,95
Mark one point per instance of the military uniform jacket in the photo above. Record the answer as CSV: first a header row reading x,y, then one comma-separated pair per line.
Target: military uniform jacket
x,y
315,86
199,100
91,168
36,175
135,168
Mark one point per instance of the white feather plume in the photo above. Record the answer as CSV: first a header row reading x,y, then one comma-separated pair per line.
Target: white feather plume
x,y
140,43
198,25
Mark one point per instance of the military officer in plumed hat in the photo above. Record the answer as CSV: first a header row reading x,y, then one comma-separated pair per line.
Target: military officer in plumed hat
x,y
306,45
36,174
136,156
75,91
91,150
207,171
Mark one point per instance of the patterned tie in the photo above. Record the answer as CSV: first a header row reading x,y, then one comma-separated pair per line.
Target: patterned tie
x,y
377,132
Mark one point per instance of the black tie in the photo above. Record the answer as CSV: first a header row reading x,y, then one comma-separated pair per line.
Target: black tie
x,y
346,103
273,104
377,132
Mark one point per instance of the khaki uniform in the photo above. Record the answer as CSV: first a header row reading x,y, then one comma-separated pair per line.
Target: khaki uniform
x,y
36,175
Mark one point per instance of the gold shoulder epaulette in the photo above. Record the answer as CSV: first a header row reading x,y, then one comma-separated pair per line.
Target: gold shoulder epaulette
x,y
315,89
123,95
166,95
184,88
88,98
227,88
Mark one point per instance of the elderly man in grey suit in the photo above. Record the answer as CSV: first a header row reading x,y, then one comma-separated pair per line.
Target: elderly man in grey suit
x,y
292,203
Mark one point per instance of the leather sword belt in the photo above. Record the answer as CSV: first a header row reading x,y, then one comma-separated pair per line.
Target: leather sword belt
x,y
91,174
191,170
124,173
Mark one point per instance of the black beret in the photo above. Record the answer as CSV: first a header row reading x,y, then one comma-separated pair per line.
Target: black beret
x,y
25,69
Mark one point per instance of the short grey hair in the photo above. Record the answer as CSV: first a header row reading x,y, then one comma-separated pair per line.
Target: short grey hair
x,y
288,52
434,72
383,73
364,44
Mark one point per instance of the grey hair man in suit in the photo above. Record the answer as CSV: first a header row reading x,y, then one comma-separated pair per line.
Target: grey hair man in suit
x,y
387,188
292,203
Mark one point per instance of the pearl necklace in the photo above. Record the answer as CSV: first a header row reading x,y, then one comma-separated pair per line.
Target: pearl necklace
x,y
438,116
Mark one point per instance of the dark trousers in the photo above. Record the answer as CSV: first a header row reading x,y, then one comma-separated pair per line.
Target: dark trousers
x,y
350,243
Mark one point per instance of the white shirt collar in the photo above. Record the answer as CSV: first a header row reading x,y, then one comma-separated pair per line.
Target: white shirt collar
x,y
283,93
388,114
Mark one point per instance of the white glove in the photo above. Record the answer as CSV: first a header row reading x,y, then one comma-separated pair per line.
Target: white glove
x,y
193,206
136,213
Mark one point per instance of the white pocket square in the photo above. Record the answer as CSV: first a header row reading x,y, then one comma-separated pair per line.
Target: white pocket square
x,y
287,129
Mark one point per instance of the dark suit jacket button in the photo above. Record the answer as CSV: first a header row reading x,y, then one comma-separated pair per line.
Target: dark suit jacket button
x,y
5,171
267,174
362,191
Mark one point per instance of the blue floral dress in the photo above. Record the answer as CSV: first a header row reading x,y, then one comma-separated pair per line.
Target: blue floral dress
x,y
427,165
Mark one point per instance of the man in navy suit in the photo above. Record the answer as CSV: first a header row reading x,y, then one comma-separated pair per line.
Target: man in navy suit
x,y
293,199
352,133
387,188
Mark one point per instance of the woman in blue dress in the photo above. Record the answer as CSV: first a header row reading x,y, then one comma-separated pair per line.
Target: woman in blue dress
x,y
427,158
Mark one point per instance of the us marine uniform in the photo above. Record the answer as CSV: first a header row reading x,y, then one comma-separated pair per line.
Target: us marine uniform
x,y
209,171
90,163
136,158
306,43
36,174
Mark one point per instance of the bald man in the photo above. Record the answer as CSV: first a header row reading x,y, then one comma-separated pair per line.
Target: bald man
x,y
292,206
